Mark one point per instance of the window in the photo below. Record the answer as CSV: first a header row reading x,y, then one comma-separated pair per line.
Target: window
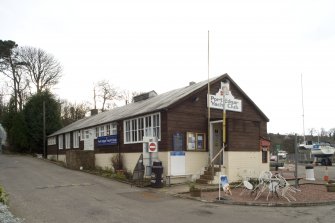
x,y
51,141
127,131
113,129
67,141
87,134
108,129
135,129
140,129
196,141
102,130
60,142
82,134
148,130
191,141
156,125
264,155
96,132
76,139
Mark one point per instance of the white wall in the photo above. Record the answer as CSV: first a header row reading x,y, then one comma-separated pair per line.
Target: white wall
x,y
104,160
61,157
195,162
244,164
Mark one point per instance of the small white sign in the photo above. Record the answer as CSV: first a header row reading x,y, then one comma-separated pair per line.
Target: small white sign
x,y
231,104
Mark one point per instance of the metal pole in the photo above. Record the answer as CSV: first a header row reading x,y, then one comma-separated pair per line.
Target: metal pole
x,y
303,111
223,124
44,149
209,109
296,161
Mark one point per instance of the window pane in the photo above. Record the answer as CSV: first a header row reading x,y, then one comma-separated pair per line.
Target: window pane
x,y
96,132
108,129
113,129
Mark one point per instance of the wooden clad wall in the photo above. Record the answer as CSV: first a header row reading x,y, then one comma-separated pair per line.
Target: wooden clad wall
x,y
244,129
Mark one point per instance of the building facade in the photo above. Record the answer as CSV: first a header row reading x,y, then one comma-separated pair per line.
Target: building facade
x,y
188,134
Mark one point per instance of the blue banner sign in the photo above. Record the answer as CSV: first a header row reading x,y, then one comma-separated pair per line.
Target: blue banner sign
x,y
107,140
177,153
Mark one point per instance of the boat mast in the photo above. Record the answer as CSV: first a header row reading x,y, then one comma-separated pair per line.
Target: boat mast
x,y
303,110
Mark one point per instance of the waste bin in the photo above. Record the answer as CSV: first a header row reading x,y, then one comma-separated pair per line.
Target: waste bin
x,y
309,172
156,174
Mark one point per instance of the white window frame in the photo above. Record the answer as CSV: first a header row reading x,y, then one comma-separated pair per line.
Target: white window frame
x,y
108,129
87,134
60,142
113,128
51,141
136,128
67,140
102,130
97,132
76,139
127,133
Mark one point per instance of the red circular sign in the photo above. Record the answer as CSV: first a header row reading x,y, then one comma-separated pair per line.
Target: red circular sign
x,y
152,147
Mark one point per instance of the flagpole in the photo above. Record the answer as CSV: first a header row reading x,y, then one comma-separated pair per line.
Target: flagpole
x,y
303,110
209,109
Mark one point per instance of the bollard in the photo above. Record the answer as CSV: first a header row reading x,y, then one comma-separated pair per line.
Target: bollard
x,y
310,172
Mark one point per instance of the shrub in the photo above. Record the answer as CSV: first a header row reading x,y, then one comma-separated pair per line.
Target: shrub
x,y
3,196
117,162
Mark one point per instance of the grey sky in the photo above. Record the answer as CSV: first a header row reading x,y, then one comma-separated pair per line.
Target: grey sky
x,y
161,45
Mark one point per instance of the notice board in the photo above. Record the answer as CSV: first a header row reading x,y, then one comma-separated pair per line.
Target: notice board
x,y
177,163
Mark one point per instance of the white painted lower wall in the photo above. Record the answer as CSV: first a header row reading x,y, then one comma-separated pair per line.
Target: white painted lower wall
x,y
194,162
61,158
104,160
240,165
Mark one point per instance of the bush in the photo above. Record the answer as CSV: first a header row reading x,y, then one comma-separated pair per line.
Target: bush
x,y
3,196
117,162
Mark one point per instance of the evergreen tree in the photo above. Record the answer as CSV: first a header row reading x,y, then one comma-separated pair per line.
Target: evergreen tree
x,y
33,113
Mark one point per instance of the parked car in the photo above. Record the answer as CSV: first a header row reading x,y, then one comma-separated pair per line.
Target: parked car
x,y
273,158
282,154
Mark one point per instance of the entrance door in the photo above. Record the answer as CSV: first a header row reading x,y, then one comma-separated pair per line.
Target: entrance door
x,y
89,140
216,141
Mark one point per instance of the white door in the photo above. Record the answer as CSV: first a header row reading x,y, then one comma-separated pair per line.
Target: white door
x,y
89,140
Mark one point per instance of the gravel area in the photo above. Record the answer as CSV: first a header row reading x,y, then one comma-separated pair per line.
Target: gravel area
x,y
309,193
6,216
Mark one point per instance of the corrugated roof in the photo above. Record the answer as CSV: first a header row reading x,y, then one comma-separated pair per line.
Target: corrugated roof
x,y
153,104
150,105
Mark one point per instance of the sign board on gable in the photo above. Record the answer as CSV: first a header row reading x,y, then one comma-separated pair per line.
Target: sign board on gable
x,y
231,104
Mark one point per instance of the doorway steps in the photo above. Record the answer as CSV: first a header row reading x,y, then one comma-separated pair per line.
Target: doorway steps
x,y
208,177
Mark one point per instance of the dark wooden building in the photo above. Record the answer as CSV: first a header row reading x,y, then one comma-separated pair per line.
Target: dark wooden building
x,y
188,134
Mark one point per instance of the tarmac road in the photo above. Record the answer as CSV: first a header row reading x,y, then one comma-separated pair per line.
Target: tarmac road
x,y
44,192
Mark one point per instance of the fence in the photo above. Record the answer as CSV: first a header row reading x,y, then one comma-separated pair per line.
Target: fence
x,y
303,157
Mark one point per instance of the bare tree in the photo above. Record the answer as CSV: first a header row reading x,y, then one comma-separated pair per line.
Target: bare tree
x,y
332,133
43,69
108,94
72,112
129,95
323,132
311,131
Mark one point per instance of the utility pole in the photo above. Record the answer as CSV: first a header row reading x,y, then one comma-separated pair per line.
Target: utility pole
x,y
44,137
